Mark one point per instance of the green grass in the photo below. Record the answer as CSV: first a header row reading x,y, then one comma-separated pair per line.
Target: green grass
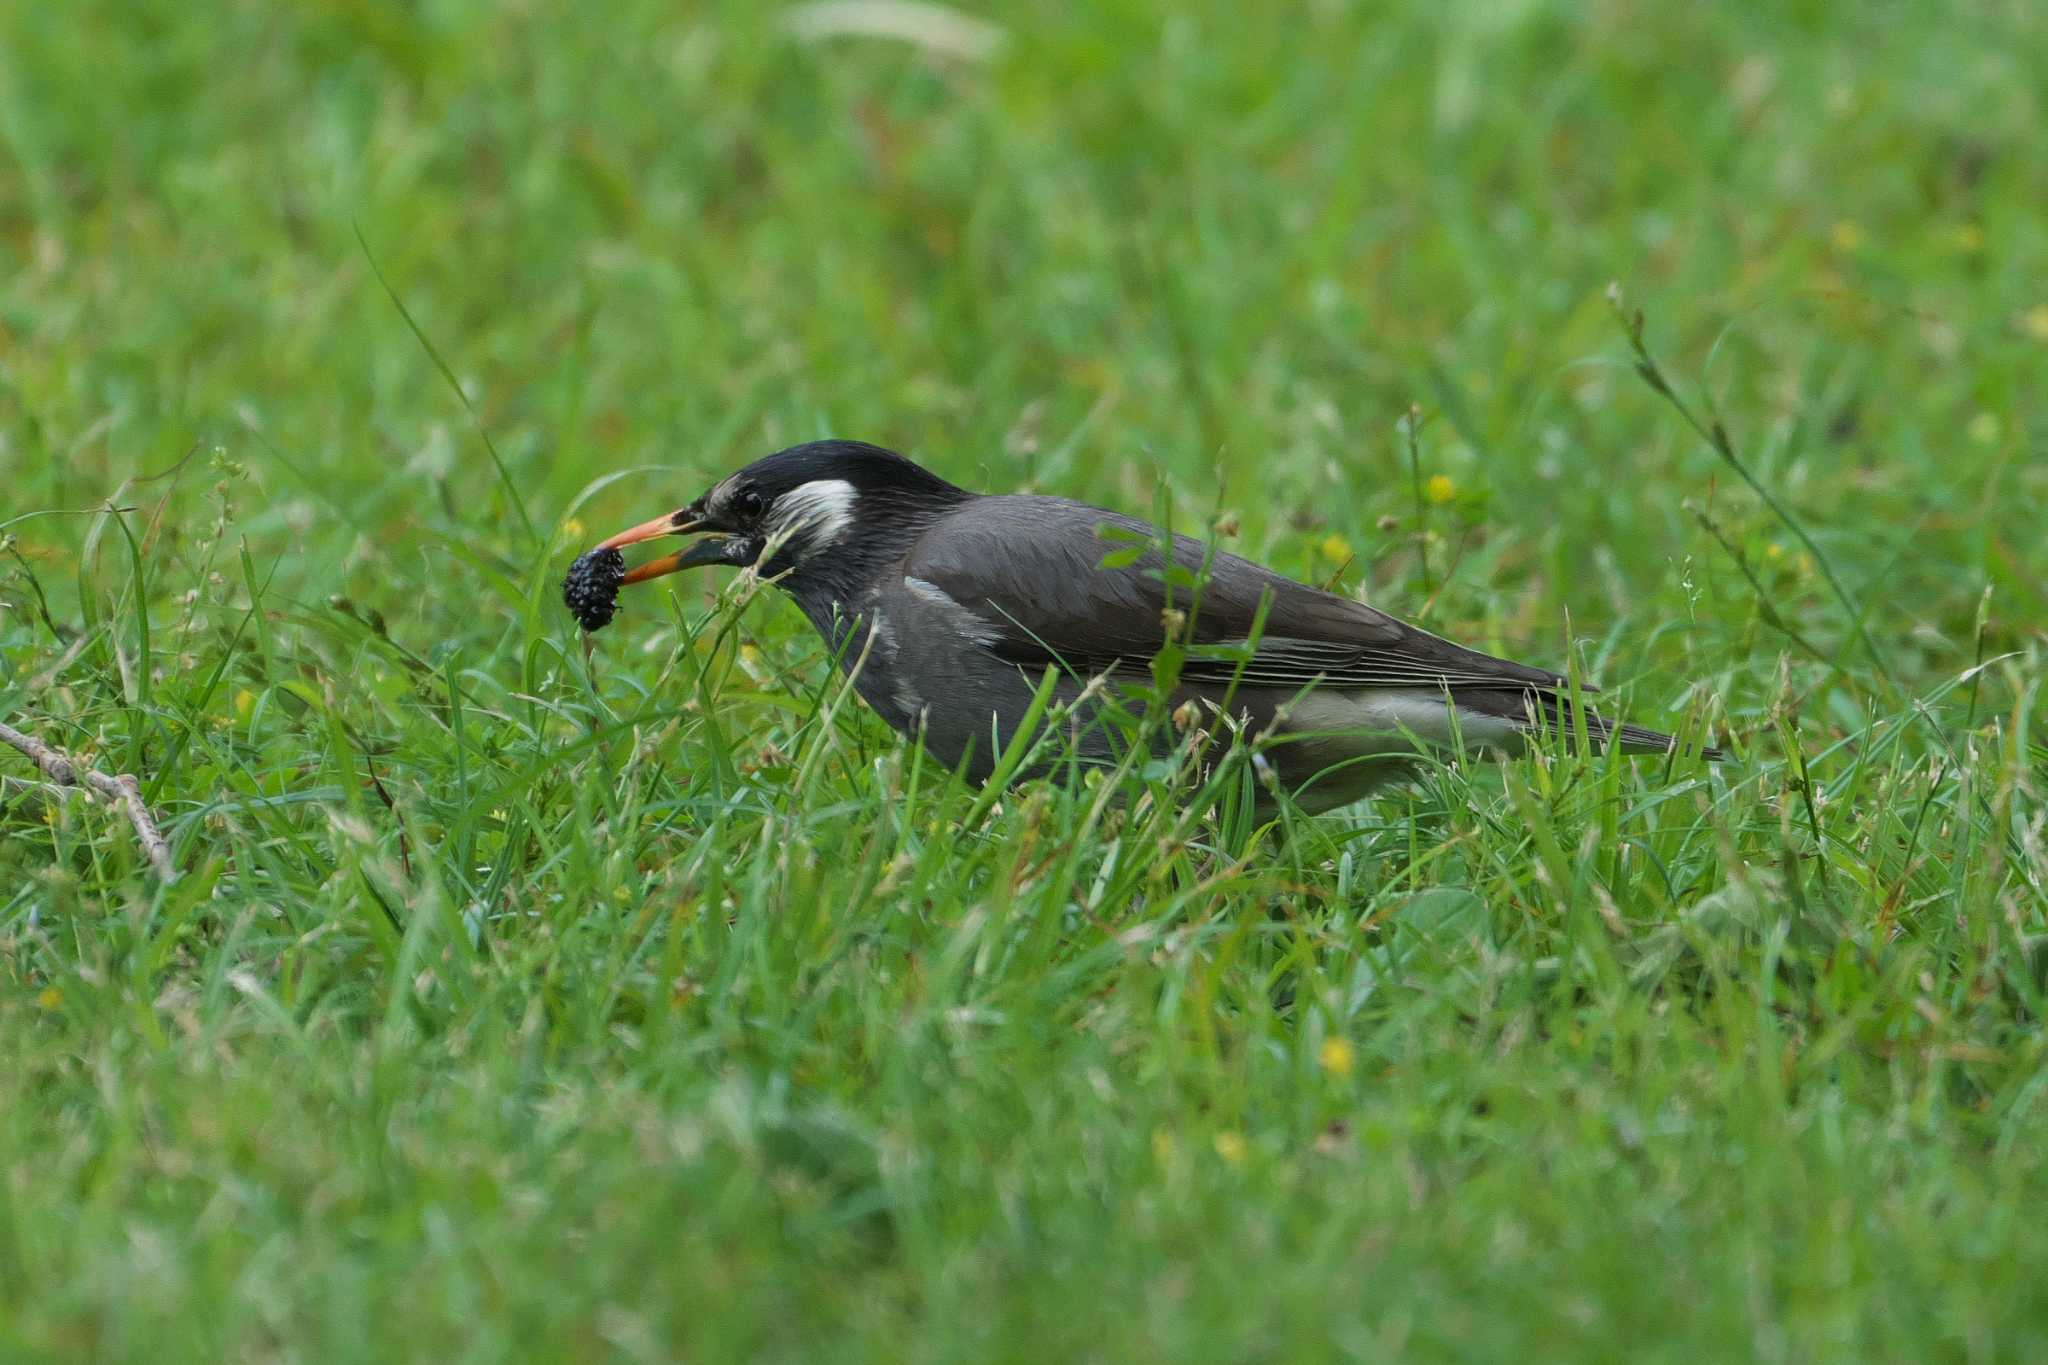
x,y
656,1002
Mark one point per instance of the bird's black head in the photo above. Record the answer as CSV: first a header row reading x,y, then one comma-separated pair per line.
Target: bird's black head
x,y
817,516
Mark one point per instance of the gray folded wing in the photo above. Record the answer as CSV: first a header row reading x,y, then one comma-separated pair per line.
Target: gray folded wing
x,y
1032,571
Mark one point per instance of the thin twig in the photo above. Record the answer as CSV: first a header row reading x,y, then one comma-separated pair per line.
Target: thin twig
x,y
123,790
404,851
64,661
461,394
1764,606
21,786
1412,428
1716,436
7,543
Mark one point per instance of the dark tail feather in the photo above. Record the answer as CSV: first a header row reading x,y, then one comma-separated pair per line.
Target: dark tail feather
x,y
1549,712
1638,739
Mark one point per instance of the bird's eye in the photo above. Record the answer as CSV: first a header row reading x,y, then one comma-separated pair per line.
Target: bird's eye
x,y
748,503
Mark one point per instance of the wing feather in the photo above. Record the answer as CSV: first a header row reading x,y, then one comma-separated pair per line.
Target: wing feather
x,y
1032,570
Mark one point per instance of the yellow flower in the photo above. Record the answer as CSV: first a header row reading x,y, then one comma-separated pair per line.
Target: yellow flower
x,y
1335,548
245,702
2035,320
1983,428
1336,1056
1774,551
1847,235
50,997
572,529
1232,1147
1440,488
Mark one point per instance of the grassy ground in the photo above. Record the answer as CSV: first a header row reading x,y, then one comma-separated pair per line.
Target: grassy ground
x,y
653,1001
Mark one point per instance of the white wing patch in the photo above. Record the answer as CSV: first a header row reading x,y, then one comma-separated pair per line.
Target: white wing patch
x,y
812,516
972,626
931,592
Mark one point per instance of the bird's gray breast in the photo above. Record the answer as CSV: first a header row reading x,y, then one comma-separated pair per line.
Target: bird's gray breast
x,y
921,660
865,643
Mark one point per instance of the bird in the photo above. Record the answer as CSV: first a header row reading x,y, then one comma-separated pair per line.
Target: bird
x,y
947,608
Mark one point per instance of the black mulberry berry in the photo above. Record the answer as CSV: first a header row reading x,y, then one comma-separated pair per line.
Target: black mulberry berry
x,y
591,589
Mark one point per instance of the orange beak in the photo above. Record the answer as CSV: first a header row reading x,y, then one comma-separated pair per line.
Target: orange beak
x,y
676,523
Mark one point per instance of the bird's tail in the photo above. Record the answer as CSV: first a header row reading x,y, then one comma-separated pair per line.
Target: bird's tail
x,y
1551,713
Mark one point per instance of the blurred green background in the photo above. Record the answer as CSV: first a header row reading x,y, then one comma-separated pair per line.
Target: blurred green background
x,y
1128,241
441,1045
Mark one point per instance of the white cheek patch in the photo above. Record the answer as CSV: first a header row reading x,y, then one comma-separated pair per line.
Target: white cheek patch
x,y
812,516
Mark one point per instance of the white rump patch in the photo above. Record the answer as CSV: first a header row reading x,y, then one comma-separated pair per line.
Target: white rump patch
x,y
812,516
1418,711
